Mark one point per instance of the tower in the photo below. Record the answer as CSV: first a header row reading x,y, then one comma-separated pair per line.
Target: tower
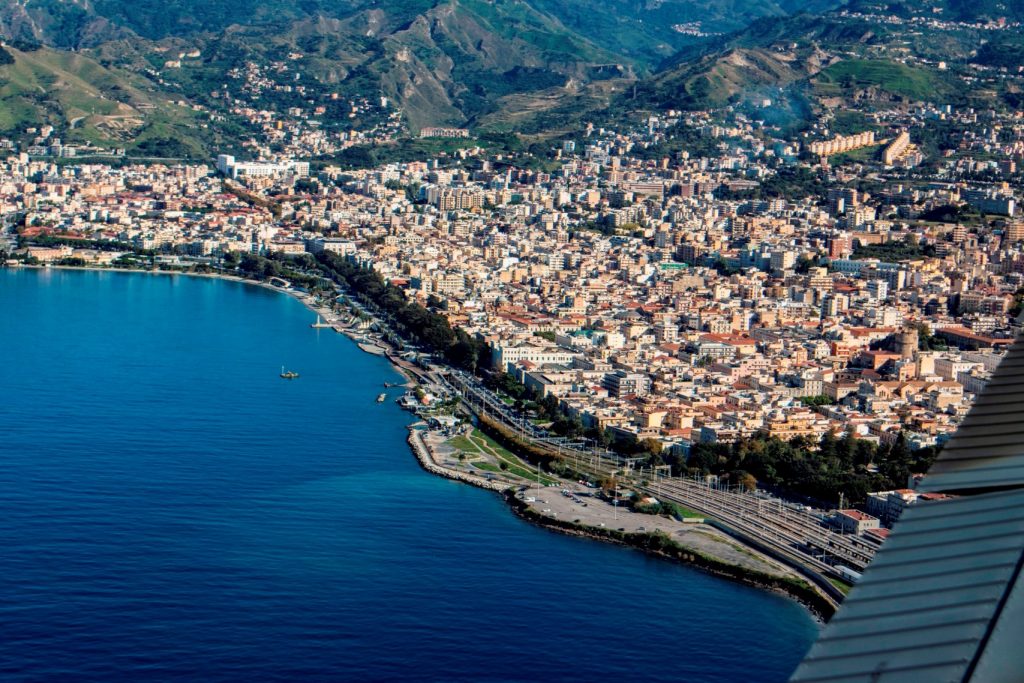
x,y
906,342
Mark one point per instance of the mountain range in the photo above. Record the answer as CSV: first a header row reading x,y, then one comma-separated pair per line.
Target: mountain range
x,y
123,73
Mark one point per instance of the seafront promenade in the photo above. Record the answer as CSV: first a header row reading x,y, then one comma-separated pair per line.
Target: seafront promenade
x,y
295,534
426,448
719,545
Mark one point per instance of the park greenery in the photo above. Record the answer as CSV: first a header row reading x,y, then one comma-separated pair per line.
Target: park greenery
x,y
479,444
299,270
951,213
45,240
796,182
846,466
893,252
815,401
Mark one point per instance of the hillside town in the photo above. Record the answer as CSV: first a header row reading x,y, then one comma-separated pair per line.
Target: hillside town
x,y
702,313
660,297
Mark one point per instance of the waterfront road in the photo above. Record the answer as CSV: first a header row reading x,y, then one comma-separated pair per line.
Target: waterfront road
x,y
799,535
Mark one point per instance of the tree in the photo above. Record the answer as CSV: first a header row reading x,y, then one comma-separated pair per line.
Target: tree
x,y
565,426
652,445
703,457
828,446
896,466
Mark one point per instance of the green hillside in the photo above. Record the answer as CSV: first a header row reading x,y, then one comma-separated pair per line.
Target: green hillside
x,y
640,31
814,66
494,63
891,77
89,103
531,65
449,65
646,31
735,75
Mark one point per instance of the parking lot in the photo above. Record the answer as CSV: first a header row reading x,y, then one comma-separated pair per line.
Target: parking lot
x,y
583,506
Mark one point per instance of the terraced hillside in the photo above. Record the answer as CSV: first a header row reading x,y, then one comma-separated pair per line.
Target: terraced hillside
x,y
90,103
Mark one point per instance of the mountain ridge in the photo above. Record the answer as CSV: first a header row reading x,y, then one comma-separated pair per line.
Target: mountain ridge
x,y
504,65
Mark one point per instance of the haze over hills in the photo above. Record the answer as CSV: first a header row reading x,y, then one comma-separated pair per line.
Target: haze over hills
x,y
828,62
536,66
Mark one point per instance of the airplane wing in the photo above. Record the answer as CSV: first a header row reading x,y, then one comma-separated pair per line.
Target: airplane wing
x,y
943,599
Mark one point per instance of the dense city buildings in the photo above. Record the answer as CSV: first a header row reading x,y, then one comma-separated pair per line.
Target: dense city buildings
x,y
737,284
664,298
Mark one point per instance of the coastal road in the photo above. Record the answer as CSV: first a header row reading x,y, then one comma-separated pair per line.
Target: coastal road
x,y
798,535
799,541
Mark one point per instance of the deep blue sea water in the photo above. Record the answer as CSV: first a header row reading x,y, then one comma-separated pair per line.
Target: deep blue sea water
x,y
170,509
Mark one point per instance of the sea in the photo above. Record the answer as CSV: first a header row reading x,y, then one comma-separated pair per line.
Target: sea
x,y
172,510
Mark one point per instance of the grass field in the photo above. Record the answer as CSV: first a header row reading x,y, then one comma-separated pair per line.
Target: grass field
x,y
478,445
857,156
687,513
848,122
892,77
841,585
466,448
463,444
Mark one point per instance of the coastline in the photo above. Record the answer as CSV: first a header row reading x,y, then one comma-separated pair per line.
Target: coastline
x,y
788,586
157,271
791,588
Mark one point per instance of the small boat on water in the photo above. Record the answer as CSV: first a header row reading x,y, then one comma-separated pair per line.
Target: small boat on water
x,y
288,374
382,398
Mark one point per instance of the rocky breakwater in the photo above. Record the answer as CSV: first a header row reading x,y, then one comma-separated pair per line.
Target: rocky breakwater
x,y
426,460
